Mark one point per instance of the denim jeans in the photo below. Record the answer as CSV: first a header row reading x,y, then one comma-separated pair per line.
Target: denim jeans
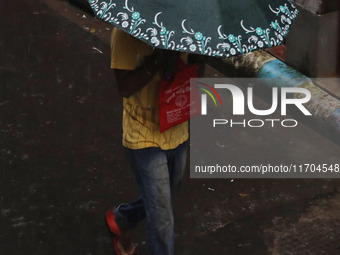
x,y
159,174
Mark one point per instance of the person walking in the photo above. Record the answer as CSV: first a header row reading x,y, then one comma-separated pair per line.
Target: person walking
x,y
157,159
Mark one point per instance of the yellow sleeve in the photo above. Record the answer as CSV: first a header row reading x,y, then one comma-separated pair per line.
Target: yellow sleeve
x,y
127,52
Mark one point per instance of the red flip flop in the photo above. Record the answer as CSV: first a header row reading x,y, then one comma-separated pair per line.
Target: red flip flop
x,y
115,233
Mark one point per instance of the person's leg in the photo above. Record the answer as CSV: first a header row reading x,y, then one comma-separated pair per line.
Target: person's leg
x,y
151,168
128,215
121,221
176,163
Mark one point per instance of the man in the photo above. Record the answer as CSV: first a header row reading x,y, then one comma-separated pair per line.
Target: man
x,y
157,159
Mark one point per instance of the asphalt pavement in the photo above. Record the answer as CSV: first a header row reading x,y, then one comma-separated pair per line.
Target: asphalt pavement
x,y
62,164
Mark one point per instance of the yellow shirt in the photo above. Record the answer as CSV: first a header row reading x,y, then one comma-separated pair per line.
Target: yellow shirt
x,y
141,110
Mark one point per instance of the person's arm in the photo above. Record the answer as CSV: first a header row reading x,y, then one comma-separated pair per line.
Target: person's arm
x,y
131,81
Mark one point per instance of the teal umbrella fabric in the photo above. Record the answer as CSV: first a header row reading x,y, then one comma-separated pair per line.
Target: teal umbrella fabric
x,y
220,28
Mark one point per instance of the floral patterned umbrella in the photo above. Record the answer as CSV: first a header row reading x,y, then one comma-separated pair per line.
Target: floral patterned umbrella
x,y
220,28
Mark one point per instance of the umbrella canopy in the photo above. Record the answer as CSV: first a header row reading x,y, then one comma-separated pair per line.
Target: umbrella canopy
x,y
220,28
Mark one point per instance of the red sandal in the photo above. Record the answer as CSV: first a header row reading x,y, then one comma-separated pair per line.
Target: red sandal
x,y
116,237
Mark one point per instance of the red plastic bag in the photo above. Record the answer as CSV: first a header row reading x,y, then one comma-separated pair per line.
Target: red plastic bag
x,y
175,106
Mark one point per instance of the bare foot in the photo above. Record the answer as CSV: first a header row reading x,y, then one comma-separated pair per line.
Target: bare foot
x,y
125,244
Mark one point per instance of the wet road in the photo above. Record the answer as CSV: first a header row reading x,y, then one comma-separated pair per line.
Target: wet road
x,y
62,167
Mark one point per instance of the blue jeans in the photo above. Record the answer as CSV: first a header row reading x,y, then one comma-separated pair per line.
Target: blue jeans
x,y
159,174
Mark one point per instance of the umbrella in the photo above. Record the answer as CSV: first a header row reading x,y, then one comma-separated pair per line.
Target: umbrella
x,y
213,28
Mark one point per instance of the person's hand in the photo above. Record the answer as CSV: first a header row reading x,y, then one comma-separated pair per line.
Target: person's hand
x,y
164,60
169,71
169,60
152,63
